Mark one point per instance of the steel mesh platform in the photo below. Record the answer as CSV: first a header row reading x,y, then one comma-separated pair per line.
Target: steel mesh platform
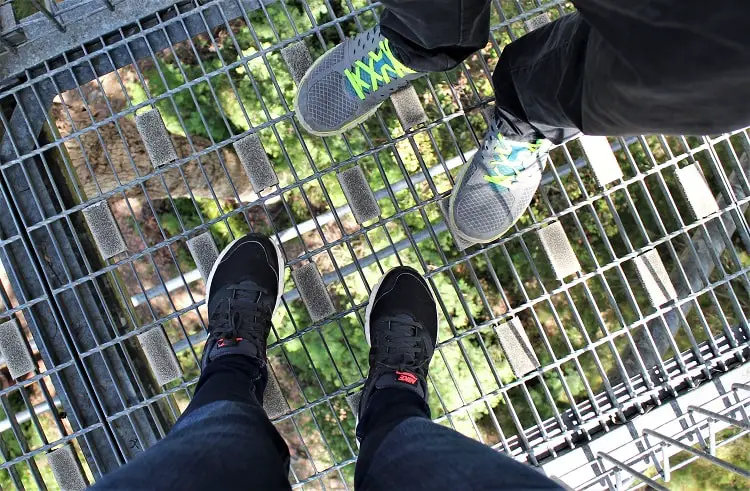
x,y
656,305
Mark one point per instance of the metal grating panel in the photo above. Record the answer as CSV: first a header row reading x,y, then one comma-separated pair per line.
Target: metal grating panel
x,y
604,352
696,425
655,278
408,107
66,469
601,158
203,249
697,191
560,253
516,347
14,350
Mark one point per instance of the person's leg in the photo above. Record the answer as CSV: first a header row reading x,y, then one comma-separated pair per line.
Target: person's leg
x,y
437,35
616,69
418,454
224,439
348,83
224,420
612,68
400,447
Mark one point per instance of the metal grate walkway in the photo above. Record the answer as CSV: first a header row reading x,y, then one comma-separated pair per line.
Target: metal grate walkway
x,y
135,145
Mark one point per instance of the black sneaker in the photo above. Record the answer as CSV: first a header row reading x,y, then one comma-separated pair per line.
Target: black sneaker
x,y
401,324
242,292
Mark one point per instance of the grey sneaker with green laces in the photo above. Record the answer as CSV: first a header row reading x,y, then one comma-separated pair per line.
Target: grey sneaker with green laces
x,y
494,189
348,83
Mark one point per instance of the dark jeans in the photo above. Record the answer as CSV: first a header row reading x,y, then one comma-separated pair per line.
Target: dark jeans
x,y
225,441
613,68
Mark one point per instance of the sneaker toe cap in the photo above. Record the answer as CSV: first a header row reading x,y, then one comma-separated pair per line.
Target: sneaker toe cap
x,y
484,213
323,103
480,215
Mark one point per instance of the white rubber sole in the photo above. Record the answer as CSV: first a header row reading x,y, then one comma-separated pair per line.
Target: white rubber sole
x,y
373,294
347,126
281,268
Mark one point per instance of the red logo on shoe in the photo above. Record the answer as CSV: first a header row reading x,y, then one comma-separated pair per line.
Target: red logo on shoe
x,y
406,377
223,342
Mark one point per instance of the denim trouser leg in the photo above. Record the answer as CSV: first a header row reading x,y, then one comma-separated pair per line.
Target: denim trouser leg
x,y
223,440
421,455
403,449
612,68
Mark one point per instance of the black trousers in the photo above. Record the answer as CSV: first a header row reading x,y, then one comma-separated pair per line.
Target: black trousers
x,y
616,67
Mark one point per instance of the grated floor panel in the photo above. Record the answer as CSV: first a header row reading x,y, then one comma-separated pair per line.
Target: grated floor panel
x,y
657,304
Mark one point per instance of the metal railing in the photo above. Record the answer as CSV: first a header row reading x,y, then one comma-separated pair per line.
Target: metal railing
x,y
695,425
20,17
606,352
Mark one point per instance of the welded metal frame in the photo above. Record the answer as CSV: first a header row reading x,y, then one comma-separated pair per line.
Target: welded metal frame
x,y
640,454
47,286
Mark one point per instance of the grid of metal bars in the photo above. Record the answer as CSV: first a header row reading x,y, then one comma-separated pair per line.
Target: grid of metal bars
x,y
60,15
696,428
606,353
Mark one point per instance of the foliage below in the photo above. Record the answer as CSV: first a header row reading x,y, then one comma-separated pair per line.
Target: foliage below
x,y
470,375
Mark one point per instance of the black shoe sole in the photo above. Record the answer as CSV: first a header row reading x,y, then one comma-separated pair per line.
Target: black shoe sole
x,y
279,257
373,294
